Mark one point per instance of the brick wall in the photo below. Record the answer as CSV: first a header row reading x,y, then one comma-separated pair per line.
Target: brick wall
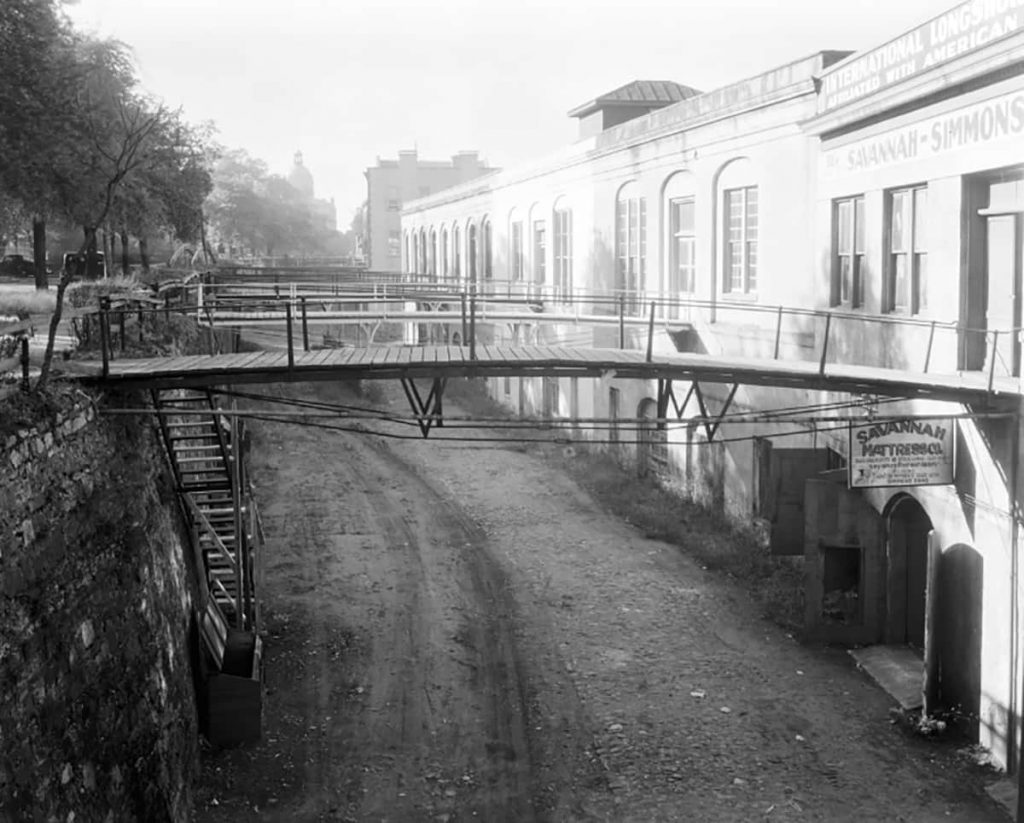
x,y
97,706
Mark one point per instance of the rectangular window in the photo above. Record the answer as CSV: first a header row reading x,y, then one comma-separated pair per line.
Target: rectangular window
x,y
539,251
394,243
631,249
848,259
563,253
516,252
741,220
394,205
907,269
682,273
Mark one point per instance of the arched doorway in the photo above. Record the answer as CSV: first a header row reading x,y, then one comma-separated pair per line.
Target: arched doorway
x,y
908,528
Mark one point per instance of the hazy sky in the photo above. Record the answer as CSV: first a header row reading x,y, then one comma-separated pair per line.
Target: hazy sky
x,y
346,81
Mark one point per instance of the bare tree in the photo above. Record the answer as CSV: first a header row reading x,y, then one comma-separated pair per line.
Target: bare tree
x,y
120,151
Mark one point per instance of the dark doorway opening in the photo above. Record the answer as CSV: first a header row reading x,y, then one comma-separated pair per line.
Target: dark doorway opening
x,y
908,530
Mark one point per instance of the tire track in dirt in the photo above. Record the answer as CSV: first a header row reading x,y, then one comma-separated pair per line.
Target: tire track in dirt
x,y
429,720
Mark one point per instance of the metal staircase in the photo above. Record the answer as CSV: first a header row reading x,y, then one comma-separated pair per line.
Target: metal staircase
x,y
204,449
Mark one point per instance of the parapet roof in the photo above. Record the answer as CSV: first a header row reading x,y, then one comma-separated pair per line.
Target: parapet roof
x,y
640,93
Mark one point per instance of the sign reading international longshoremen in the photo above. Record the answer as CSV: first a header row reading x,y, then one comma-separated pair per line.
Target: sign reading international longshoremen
x,y
912,452
957,32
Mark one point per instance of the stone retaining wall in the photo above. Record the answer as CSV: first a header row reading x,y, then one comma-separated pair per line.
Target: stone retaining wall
x,y
97,697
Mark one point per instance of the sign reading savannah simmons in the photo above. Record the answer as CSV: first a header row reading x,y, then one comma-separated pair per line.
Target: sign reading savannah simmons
x,y
911,452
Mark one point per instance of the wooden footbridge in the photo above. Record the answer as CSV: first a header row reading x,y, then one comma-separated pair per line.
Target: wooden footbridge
x,y
442,362
203,443
296,306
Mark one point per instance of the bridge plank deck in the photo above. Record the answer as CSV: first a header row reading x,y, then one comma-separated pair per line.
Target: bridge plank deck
x,y
254,367
273,360
182,364
343,357
246,359
322,357
503,353
361,357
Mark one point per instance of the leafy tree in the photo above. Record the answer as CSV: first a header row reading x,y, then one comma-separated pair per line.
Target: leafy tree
x,y
168,191
114,130
36,66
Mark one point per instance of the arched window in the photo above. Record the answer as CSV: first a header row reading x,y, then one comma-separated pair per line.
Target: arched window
x,y
515,246
444,253
680,216
472,273
630,245
405,262
539,245
432,255
456,253
422,268
737,201
561,241
487,251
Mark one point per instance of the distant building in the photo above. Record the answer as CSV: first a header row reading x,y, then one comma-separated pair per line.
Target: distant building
x,y
323,211
392,183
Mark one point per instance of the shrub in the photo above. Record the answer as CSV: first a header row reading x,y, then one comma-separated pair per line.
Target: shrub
x,y
22,304
89,292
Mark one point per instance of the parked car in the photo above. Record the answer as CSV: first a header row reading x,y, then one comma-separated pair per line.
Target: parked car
x,y
76,263
15,265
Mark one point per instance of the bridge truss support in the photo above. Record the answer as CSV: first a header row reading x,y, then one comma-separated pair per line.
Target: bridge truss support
x,y
429,412
666,395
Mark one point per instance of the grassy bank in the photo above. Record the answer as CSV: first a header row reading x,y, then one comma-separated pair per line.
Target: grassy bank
x,y
662,512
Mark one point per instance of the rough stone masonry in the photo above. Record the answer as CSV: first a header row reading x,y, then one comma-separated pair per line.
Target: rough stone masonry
x,y
98,716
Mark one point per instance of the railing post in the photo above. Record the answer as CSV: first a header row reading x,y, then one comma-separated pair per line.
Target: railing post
x,y
928,354
305,327
120,316
778,333
824,344
992,359
622,321
288,324
462,298
650,334
24,362
213,333
472,321
105,335
199,298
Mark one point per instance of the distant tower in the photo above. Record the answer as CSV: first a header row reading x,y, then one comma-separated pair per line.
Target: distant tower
x,y
300,177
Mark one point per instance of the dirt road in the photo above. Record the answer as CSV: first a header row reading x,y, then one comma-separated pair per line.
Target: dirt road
x,y
458,632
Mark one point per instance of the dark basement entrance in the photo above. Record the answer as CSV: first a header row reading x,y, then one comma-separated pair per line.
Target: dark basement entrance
x,y
868,580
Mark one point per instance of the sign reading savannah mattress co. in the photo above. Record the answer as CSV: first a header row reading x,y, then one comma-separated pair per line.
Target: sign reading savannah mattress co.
x,y
911,452
989,123
957,32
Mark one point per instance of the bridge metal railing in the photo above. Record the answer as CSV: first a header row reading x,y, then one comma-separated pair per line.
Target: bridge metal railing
x,y
824,335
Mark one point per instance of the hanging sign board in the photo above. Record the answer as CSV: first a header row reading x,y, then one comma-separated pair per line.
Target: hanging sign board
x,y
917,451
